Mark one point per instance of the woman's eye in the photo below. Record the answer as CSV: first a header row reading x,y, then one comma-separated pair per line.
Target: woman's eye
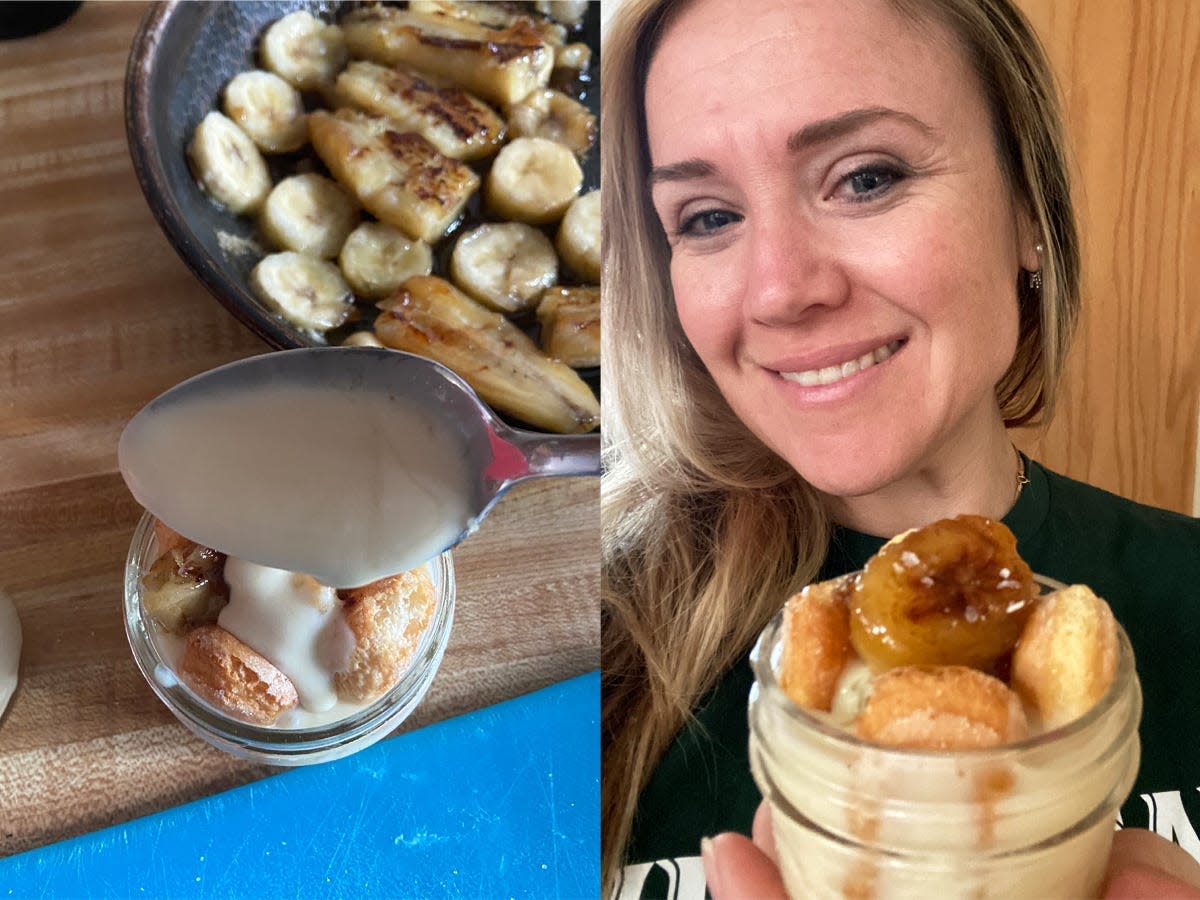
x,y
708,222
868,183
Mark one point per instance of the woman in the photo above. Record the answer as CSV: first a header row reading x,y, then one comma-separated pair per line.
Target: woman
x,y
841,261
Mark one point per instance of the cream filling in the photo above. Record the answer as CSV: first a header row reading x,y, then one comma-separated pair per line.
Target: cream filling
x,y
292,621
835,373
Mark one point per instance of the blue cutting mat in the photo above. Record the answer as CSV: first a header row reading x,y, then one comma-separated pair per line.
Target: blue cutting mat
x,y
503,802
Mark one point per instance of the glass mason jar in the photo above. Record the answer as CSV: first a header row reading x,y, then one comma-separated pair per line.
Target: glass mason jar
x,y
853,819
279,745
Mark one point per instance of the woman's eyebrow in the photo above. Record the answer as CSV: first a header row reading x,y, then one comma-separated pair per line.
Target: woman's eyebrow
x,y
846,123
681,171
813,134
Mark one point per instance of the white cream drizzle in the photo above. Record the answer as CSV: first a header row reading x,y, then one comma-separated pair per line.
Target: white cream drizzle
x,y
294,622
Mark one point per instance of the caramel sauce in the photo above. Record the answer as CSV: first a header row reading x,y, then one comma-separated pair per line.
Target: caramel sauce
x,y
861,883
864,821
991,786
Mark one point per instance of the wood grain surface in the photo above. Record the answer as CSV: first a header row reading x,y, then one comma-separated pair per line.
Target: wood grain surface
x,y
1129,72
98,316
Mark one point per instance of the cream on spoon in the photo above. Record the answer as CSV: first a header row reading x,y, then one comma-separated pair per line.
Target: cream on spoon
x,y
347,464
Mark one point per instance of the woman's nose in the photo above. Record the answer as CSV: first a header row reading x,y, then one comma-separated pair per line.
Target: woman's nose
x,y
794,271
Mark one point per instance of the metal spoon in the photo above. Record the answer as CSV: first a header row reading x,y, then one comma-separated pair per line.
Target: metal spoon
x,y
346,463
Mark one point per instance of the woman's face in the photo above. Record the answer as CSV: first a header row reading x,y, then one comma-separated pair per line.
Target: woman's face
x,y
845,246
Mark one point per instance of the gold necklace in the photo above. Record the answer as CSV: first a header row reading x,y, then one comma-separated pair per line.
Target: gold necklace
x,y
1021,479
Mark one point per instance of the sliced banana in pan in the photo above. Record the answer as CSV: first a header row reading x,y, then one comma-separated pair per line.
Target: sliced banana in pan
x,y
362,339
304,51
551,114
228,165
568,12
399,177
532,180
578,239
430,317
268,109
459,125
577,57
570,320
377,258
497,65
504,265
307,291
493,13
309,214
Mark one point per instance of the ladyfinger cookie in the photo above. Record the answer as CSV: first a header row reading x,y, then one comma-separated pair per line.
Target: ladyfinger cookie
x,y
941,708
233,677
1067,655
387,618
816,643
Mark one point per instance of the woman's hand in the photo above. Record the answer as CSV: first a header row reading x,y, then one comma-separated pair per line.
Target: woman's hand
x,y
738,868
1142,866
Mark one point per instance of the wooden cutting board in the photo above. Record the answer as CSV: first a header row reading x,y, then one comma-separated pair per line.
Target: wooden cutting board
x,y
97,316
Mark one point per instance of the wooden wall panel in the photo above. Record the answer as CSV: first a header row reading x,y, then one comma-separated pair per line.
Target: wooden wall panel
x,y
1129,72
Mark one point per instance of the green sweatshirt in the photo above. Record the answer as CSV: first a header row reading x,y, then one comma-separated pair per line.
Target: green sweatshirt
x,y
1145,562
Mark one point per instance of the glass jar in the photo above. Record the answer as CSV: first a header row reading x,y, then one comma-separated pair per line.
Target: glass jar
x,y
277,745
856,819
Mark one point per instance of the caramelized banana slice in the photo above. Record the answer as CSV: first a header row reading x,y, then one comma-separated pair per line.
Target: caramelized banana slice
x,y
500,66
430,317
303,50
268,109
573,59
228,165
307,291
376,259
1067,656
578,238
459,125
401,178
185,586
570,320
362,339
532,180
941,708
551,114
493,13
310,214
816,643
951,593
568,12
504,265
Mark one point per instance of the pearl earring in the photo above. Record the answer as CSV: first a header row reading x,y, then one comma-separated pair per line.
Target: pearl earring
x,y
1035,277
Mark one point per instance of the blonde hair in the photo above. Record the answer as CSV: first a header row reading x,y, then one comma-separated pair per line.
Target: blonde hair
x,y
706,531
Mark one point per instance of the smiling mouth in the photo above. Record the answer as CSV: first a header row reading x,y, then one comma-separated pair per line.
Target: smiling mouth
x,y
833,374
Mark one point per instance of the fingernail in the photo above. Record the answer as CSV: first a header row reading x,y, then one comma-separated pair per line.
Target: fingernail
x,y
711,875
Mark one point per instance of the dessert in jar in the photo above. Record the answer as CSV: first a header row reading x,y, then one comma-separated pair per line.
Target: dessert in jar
x,y
270,664
944,723
331,498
